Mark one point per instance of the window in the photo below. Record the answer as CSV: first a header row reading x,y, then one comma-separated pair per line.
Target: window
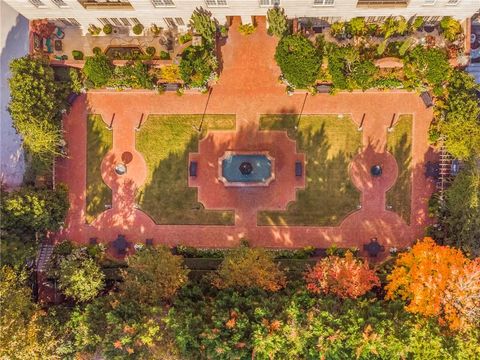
x,y
135,21
429,2
60,3
323,2
104,21
383,3
38,3
69,21
453,2
163,3
74,21
170,22
215,3
179,21
269,2
106,4
116,21
125,21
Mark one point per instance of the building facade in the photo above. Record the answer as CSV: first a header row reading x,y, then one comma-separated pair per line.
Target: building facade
x,y
176,13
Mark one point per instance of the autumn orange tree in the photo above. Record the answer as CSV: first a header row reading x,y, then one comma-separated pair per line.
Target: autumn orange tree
x,y
437,281
247,267
346,277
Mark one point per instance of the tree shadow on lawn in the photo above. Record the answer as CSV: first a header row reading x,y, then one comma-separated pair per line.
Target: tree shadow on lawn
x,y
399,196
170,201
99,143
329,195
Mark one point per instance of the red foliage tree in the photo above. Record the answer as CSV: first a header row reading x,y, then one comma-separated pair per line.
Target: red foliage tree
x,y
42,27
346,277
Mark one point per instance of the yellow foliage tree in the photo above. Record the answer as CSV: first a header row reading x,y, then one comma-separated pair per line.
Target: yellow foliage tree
x,y
247,268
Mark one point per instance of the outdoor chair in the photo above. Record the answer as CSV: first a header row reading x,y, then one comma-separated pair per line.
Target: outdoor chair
x,y
59,33
48,45
298,169
192,169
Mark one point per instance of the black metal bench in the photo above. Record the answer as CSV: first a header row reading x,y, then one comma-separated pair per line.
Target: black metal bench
x,y
192,169
171,86
323,89
427,99
298,168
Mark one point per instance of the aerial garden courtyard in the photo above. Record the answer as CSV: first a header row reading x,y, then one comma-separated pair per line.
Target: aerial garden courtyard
x,y
263,193
322,192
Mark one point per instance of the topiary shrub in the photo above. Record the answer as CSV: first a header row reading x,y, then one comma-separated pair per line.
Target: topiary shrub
x,y
96,50
107,29
277,21
299,60
150,51
98,69
246,29
155,30
138,29
164,55
77,55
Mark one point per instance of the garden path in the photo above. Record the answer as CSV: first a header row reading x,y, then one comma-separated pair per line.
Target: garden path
x,y
248,87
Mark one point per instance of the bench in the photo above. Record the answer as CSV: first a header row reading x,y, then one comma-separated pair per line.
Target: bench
x,y
171,86
298,168
192,169
427,99
323,89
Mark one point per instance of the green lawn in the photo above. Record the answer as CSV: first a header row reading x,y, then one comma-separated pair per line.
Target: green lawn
x,y
165,142
399,144
99,142
329,144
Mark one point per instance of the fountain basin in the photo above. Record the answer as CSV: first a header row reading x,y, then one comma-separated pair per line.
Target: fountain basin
x,y
246,168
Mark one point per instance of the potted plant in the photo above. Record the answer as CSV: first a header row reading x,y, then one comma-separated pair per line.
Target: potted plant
x,y
138,29
155,30
94,30
107,29
77,55
150,51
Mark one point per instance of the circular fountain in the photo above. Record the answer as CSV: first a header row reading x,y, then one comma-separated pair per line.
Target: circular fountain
x,y
376,170
246,168
120,169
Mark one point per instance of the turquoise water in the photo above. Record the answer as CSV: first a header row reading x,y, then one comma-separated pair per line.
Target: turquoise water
x,y
262,168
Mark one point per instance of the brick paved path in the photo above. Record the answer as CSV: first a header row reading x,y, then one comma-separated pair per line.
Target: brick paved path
x,y
248,87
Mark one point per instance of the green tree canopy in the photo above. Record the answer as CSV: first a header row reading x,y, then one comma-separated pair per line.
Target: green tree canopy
x,y
277,21
36,104
459,121
34,210
153,275
462,218
98,69
299,60
79,276
204,24
197,65
22,333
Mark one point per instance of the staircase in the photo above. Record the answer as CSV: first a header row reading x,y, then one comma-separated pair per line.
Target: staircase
x,y
43,257
445,165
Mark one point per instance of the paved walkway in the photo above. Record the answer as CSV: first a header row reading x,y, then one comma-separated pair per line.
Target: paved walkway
x,y
248,87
